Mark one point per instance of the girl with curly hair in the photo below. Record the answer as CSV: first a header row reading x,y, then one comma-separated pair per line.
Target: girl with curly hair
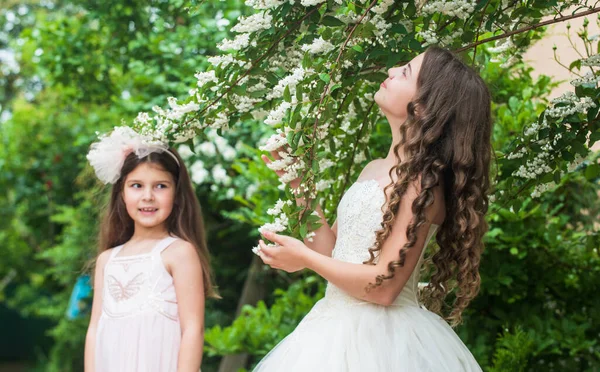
x,y
433,183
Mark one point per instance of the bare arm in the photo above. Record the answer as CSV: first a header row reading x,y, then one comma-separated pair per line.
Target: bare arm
x,y
90,338
182,261
325,236
355,278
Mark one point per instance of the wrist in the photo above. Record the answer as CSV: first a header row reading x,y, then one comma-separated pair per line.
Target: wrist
x,y
307,258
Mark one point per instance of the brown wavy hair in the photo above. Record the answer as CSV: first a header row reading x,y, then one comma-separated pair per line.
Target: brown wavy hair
x,y
185,220
446,140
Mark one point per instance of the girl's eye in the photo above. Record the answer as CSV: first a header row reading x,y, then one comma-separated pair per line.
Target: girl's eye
x,y
404,72
162,186
136,185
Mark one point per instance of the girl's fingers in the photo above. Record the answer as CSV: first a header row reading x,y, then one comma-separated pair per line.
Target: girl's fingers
x,y
265,249
275,154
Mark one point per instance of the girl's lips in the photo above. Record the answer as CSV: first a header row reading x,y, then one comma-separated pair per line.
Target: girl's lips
x,y
148,211
383,84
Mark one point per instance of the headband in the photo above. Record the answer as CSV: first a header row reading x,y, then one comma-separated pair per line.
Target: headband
x,y
108,154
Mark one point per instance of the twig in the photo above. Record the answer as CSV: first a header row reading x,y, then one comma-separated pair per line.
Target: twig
x,y
479,29
360,133
326,91
529,28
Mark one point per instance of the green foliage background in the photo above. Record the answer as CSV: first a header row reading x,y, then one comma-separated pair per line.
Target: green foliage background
x,y
86,65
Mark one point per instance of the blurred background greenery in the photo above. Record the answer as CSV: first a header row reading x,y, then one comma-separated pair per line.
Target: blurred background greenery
x,y
71,68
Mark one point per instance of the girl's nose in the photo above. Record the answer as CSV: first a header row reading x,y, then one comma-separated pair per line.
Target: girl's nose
x,y
148,195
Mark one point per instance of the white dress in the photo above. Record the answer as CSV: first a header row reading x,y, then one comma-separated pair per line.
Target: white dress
x,y
139,329
344,334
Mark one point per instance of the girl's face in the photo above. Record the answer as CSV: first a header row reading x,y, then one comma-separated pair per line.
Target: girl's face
x,y
399,88
149,193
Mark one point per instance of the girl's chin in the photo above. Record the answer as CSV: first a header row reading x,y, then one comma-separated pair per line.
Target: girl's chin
x,y
149,222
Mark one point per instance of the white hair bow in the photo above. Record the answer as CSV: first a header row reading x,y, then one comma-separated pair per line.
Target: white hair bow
x,y
108,155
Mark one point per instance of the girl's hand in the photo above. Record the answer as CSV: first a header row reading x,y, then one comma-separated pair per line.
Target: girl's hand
x,y
275,154
289,254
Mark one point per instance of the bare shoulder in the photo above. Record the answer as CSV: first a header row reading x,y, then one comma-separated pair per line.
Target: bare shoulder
x,y
373,170
180,254
181,249
103,258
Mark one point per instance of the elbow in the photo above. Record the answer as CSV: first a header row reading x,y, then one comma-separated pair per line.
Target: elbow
x,y
385,298
193,331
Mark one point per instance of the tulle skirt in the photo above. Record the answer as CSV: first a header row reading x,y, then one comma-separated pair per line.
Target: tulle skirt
x,y
145,342
364,337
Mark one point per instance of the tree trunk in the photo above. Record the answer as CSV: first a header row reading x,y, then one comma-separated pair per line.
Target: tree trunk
x,y
252,292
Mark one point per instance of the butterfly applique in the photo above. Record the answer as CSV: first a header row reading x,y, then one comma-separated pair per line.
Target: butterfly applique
x,y
122,292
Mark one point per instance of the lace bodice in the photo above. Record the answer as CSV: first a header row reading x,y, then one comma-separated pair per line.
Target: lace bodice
x,y
359,217
139,283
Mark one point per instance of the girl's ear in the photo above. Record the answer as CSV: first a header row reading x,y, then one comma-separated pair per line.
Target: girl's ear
x,y
417,110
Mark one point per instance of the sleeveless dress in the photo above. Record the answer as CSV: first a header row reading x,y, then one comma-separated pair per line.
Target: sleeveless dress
x,y
344,334
139,328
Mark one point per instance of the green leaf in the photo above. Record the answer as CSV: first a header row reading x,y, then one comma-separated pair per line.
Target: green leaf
x,y
575,64
325,77
358,48
594,137
411,9
303,230
414,44
286,94
592,171
332,21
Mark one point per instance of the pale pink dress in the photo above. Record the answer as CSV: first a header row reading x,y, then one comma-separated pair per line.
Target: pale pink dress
x,y
139,328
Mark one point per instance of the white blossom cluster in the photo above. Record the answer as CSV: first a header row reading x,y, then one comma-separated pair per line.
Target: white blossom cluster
x,y
290,81
225,60
537,166
381,28
178,111
244,103
588,79
266,4
349,18
253,23
429,36
281,221
310,2
274,142
382,7
592,61
205,78
241,41
542,188
318,46
276,116
198,173
461,9
536,127
575,105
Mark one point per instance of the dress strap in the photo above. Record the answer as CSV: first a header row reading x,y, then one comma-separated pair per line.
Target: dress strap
x,y
163,244
115,251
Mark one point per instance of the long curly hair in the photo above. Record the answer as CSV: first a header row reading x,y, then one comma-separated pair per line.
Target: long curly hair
x,y
185,220
446,139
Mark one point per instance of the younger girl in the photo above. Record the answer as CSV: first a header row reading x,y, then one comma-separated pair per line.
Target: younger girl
x,y
152,272
433,182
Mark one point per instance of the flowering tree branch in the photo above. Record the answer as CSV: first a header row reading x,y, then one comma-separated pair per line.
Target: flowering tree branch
x,y
528,28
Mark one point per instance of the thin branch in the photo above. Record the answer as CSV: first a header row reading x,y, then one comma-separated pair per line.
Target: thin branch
x,y
359,136
326,91
563,65
529,28
479,29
